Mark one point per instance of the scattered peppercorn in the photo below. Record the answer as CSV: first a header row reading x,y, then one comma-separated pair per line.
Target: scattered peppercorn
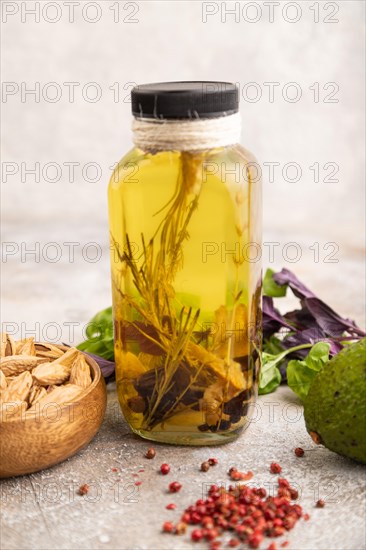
x,y
138,483
320,504
213,461
83,489
211,534
197,535
168,527
165,469
275,468
294,494
171,506
299,451
235,475
255,539
272,546
114,469
282,482
306,517
284,544
247,513
150,453
205,466
174,487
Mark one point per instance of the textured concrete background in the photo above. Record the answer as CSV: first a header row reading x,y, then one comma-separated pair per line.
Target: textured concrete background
x,y
54,299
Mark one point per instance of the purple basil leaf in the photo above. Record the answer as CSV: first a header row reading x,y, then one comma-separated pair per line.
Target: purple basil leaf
x,y
329,321
302,319
107,367
272,318
286,277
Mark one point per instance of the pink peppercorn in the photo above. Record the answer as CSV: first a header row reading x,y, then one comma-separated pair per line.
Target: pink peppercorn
x,y
168,527
171,506
255,539
213,461
174,487
197,535
165,469
275,468
299,451
320,504
211,534
282,482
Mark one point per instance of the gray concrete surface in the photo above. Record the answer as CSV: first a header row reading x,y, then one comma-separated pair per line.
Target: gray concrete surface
x,y
44,511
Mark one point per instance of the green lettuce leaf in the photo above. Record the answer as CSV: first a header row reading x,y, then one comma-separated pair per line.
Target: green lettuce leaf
x,y
270,287
99,334
300,374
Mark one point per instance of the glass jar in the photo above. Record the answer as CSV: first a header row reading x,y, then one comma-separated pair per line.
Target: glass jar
x,y
185,230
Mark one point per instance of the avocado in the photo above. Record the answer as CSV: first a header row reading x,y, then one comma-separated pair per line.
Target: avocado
x,y
335,407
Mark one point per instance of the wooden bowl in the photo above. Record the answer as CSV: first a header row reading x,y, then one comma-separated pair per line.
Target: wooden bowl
x,y
44,438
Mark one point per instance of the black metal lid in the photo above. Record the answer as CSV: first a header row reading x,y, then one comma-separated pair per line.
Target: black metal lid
x,y
185,100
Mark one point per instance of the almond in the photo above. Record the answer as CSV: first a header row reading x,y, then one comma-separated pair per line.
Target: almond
x,y
7,345
51,373
25,347
67,358
18,389
60,395
80,372
15,364
3,382
43,349
36,393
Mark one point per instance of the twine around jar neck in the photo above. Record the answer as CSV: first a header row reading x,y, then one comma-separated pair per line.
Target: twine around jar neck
x,y
186,135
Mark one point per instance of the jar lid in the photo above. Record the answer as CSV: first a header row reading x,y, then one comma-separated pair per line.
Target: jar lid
x,y
185,100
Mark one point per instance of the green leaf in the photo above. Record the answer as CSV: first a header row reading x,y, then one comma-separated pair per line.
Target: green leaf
x,y
271,288
318,356
272,345
270,376
100,335
300,374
